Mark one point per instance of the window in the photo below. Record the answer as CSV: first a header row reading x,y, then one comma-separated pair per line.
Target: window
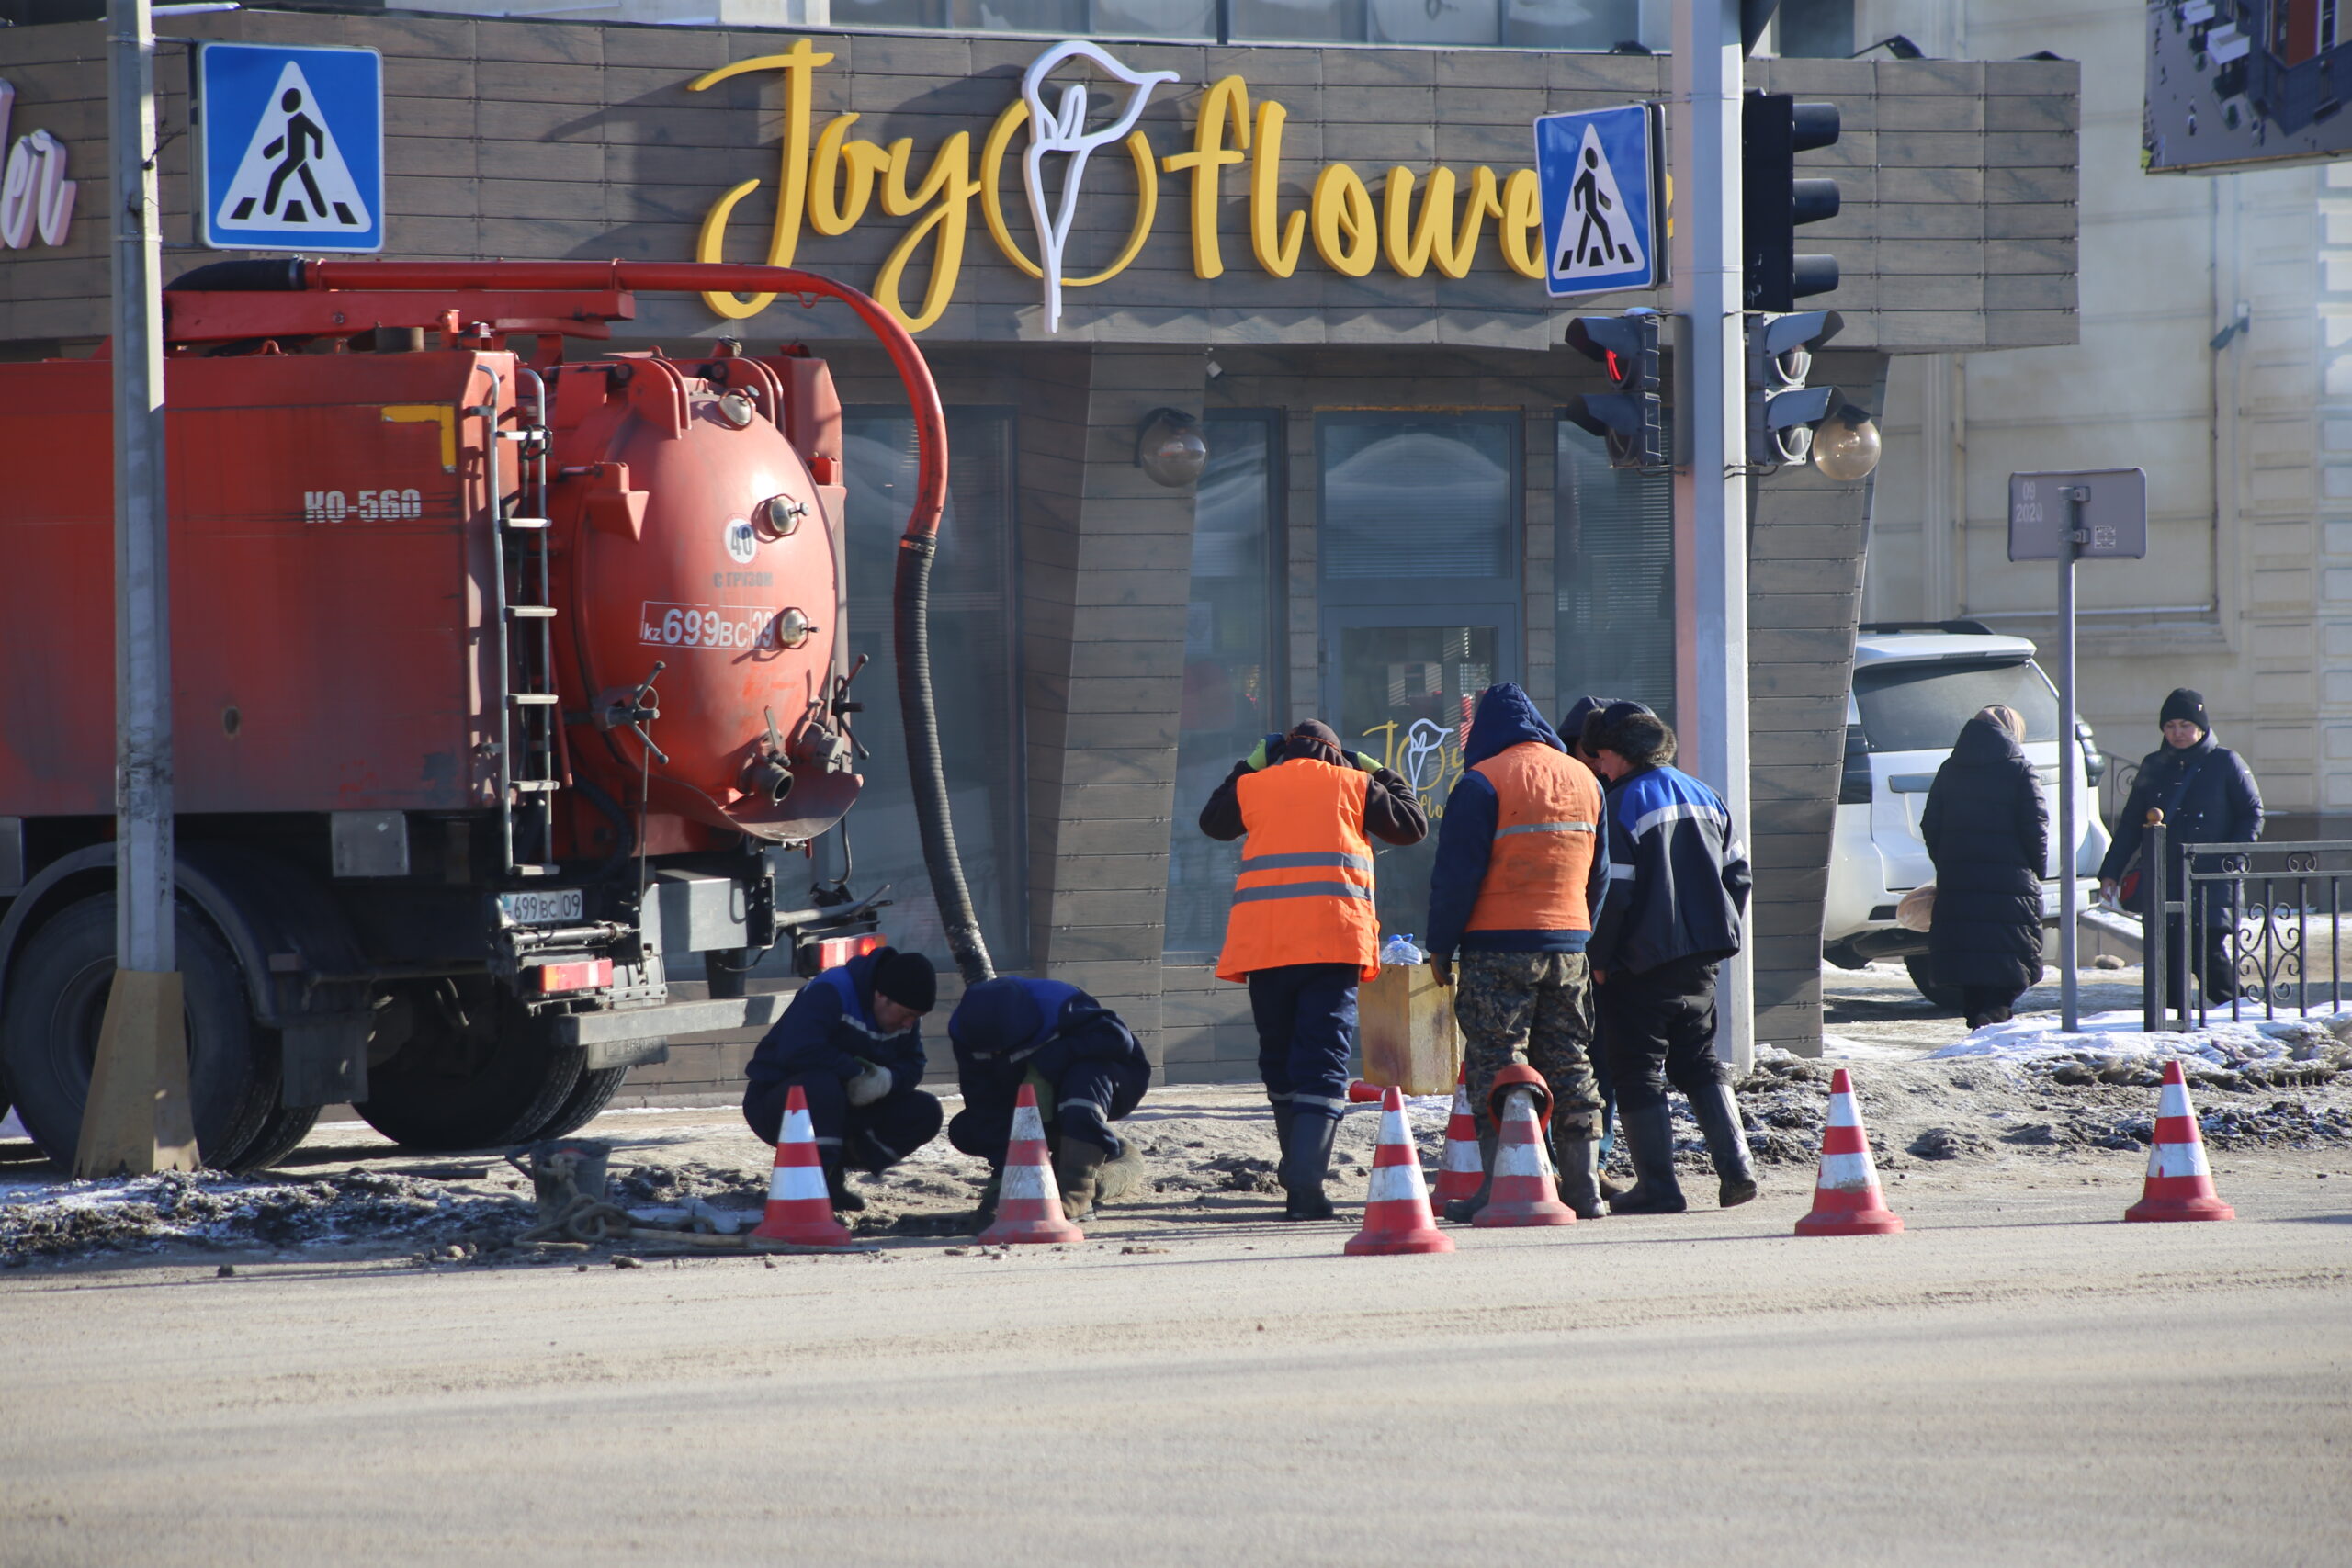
x,y
1922,706
973,637
1615,601
1816,30
1232,689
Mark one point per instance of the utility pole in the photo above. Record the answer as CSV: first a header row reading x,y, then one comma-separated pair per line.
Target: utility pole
x,y
1710,496
137,1118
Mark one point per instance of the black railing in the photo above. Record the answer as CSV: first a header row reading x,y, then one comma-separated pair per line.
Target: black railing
x,y
2252,926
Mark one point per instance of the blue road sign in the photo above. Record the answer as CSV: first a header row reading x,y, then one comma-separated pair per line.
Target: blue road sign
x,y
289,148
1604,202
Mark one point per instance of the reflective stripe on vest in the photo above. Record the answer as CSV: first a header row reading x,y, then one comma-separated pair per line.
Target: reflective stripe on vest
x,y
1547,812
1305,895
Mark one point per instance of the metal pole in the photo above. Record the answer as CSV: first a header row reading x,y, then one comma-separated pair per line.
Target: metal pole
x,y
143,567
137,1117
2070,762
1709,497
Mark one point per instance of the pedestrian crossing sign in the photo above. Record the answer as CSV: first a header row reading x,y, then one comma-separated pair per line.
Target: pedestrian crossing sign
x,y
289,148
1602,178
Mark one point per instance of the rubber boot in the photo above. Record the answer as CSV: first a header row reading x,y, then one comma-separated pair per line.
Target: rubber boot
x,y
1077,1167
1462,1211
984,1213
1579,1163
1649,1139
1306,1164
837,1188
1124,1174
1718,1109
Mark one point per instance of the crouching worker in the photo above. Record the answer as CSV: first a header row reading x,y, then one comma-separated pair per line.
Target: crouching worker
x,y
851,1040
1087,1072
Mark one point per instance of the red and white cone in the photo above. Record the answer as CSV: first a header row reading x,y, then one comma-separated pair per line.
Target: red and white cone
x,y
799,1210
2179,1184
1525,1190
1464,1169
1846,1200
1029,1204
1397,1215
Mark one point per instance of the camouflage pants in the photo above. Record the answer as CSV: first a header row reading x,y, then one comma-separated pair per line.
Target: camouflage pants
x,y
1535,1009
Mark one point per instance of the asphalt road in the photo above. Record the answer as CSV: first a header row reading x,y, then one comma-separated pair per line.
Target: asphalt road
x,y
2017,1380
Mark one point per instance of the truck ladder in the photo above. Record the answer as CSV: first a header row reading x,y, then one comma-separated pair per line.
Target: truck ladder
x,y
530,765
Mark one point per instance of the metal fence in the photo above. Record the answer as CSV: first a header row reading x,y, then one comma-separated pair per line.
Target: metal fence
x,y
2254,927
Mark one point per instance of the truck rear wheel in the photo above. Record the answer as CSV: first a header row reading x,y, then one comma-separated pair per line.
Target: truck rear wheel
x,y
1947,997
57,999
280,1136
477,1076
586,1102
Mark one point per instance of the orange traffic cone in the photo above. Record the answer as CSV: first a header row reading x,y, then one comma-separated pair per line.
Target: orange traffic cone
x,y
799,1211
1846,1200
1524,1192
2179,1185
1397,1215
1464,1167
1029,1204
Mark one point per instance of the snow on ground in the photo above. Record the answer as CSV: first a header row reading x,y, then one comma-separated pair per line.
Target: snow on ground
x,y
2220,1042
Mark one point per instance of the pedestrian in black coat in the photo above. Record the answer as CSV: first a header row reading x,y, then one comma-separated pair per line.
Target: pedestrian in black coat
x,y
1988,831
2208,796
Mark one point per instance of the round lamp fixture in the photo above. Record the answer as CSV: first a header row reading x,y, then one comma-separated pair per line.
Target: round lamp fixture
x,y
1846,445
1169,449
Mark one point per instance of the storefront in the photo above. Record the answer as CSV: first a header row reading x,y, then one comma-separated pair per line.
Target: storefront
x,y
1329,256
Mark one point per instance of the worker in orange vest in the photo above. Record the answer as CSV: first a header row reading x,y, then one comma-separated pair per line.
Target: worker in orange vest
x,y
1304,929
1522,865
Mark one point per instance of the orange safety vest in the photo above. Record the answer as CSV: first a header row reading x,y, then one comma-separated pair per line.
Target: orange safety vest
x,y
1548,808
1305,892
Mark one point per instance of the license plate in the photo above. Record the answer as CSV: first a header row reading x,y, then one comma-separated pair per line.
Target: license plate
x,y
554,907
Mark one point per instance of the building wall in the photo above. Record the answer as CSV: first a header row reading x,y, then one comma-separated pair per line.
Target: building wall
x,y
2244,595
533,139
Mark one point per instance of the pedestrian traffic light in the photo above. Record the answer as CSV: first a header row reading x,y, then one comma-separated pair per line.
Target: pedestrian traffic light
x,y
1781,409
1632,420
1773,129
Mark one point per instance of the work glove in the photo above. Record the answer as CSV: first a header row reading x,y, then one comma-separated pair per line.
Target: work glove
x,y
1364,764
1267,751
871,1083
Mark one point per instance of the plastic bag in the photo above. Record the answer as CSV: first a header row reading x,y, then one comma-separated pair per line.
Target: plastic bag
x,y
1402,949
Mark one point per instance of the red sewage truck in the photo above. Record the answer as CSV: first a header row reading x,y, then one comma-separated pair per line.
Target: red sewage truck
x,y
495,685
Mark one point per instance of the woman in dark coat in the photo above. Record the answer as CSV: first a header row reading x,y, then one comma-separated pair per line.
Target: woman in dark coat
x,y
1989,832
2208,796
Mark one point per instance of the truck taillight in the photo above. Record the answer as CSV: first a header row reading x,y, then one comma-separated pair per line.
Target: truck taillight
x,y
587,974
836,951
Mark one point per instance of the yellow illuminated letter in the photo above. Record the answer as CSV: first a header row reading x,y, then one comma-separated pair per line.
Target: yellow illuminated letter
x,y
951,183
1347,236
1522,225
1226,99
799,67
1274,240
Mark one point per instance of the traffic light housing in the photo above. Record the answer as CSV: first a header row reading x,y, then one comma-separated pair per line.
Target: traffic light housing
x,y
1632,420
1773,129
1781,408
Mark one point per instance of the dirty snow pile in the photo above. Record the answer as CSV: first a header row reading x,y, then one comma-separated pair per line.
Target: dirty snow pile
x,y
206,1210
2241,1056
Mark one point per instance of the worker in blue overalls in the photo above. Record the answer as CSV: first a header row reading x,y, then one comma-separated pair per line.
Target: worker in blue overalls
x,y
1087,1072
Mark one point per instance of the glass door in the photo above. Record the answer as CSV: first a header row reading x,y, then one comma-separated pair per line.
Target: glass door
x,y
1398,687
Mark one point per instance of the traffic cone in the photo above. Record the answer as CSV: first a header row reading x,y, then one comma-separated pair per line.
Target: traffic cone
x,y
1846,1200
1464,1167
1525,1192
1397,1215
799,1211
1029,1204
2179,1186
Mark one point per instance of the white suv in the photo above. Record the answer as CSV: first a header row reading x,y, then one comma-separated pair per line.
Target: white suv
x,y
1915,686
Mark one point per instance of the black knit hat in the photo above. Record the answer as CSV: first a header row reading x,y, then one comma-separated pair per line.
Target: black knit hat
x,y
906,978
2186,703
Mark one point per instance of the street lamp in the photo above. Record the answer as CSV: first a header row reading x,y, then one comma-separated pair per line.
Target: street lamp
x,y
1846,445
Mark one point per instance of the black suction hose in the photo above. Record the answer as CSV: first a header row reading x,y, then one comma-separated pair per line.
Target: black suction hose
x,y
926,768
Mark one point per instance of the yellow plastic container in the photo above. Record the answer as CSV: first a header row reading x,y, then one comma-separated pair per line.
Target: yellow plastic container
x,y
1405,1022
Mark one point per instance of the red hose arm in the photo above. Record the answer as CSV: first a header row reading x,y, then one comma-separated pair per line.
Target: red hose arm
x,y
689,277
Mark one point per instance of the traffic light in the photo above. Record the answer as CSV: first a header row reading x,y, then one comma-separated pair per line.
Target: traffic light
x,y
1773,129
1781,409
1631,419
